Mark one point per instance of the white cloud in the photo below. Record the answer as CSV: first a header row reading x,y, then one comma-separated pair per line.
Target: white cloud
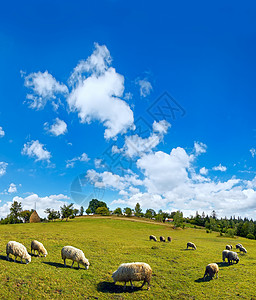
x,y
97,91
98,163
71,162
44,88
58,128
12,188
36,150
52,201
199,148
253,152
203,171
220,168
161,126
3,166
145,87
2,133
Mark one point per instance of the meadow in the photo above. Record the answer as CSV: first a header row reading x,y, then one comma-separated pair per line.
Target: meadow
x,y
107,242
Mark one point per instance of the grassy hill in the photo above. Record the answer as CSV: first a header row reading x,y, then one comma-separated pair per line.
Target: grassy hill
x,y
108,242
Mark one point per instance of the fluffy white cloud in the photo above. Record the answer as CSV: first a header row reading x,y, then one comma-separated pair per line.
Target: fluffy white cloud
x,y
2,133
145,87
36,150
12,188
161,126
253,152
52,201
44,88
199,148
3,166
220,168
97,91
203,171
58,128
83,157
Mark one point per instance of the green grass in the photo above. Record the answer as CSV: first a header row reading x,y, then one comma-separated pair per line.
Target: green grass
x,y
108,242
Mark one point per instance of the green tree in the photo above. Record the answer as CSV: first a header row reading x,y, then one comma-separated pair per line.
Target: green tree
x,y
88,211
178,219
104,211
52,214
138,210
81,211
66,211
25,215
127,211
150,213
75,211
15,211
94,204
118,211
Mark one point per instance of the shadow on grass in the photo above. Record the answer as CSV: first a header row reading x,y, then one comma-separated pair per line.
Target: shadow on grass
x,y
223,264
3,257
58,265
11,260
206,279
111,287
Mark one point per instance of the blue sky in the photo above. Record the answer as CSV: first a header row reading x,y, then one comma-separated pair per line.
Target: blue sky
x,y
82,86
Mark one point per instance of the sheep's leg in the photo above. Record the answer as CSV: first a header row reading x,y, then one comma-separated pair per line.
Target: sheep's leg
x,y
217,275
78,265
143,284
8,257
15,259
124,285
21,260
72,264
65,262
131,284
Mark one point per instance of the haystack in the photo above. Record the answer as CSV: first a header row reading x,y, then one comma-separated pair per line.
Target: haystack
x,y
34,218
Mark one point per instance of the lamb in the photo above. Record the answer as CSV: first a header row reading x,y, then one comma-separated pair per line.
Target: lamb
x,y
211,269
232,256
69,252
162,239
35,245
17,249
238,246
229,247
242,249
169,239
152,237
192,245
225,254
137,271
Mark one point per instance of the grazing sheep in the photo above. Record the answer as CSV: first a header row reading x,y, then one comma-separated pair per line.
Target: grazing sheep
x,y
69,252
39,247
238,246
192,245
242,249
137,271
225,254
152,237
229,247
232,256
17,249
211,269
162,239
169,239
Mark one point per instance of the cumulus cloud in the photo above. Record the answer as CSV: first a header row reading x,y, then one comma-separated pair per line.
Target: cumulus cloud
x,y
253,152
220,168
12,188
145,87
58,128
203,171
36,150
96,93
52,201
83,157
3,167
44,88
199,148
2,133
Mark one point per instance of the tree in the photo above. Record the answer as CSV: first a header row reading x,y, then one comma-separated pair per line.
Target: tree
x,y
52,214
178,219
15,211
81,211
118,211
75,211
138,210
25,215
88,211
150,213
66,211
127,211
94,204
104,211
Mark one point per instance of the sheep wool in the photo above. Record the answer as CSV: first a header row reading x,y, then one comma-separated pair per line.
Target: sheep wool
x,y
192,245
162,239
232,256
211,270
229,247
242,249
17,249
152,237
39,247
69,252
225,254
238,246
169,239
136,271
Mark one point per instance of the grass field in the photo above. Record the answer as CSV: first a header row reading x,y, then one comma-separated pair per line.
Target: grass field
x,y
108,242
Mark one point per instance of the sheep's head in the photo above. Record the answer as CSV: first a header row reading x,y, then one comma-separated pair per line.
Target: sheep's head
x,y
28,259
44,252
237,260
85,263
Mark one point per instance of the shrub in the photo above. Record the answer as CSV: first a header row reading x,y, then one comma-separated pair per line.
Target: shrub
x,y
230,232
250,236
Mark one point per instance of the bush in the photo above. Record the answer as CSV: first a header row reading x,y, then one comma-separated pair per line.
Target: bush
x,y
230,232
250,236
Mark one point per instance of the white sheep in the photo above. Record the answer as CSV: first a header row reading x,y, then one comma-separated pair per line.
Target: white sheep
x,y
152,237
162,239
232,256
242,249
192,245
17,249
238,246
211,269
39,247
69,252
225,254
169,239
229,247
137,271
